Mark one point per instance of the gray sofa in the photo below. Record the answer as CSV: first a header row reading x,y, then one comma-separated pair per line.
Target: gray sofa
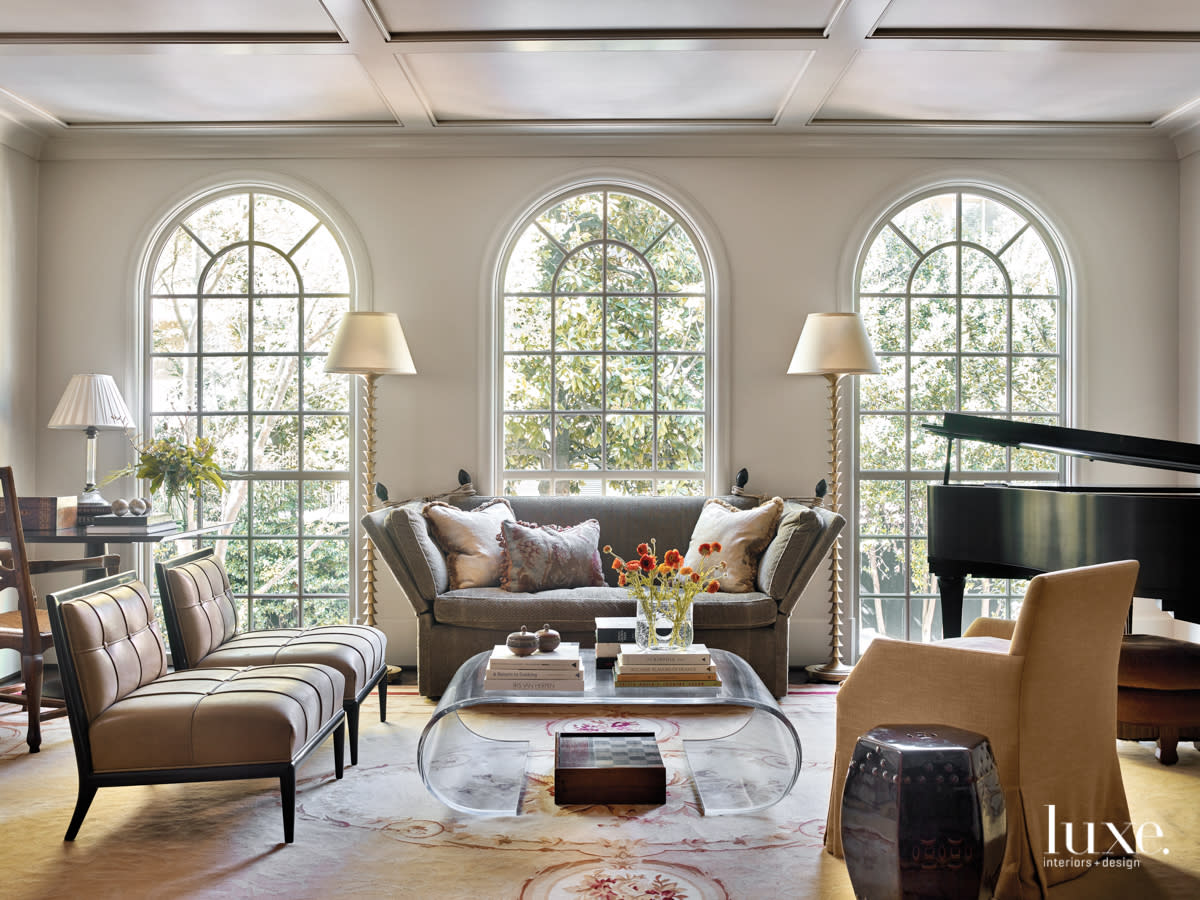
x,y
454,625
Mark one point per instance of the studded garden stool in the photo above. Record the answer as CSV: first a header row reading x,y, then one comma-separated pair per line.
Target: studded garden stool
x,y
923,814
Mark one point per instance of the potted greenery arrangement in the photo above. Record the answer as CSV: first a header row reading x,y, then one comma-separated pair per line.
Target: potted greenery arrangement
x,y
178,468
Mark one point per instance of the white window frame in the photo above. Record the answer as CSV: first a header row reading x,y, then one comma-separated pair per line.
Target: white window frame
x,y
713,452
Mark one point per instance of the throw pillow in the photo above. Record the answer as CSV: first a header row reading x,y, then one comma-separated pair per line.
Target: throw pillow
x,y
743,534
469,540
543,557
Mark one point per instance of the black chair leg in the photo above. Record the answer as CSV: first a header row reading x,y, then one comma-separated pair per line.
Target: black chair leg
x,y
383,685
339,749
352,718
287,796
86,793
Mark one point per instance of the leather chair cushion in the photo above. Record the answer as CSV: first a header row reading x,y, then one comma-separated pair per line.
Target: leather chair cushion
x,y
216,717
356,651
204,606
115,644
1158,663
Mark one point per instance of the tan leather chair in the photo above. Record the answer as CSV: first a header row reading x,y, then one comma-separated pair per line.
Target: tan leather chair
x,y
26,629
1043,690
202,627
133,723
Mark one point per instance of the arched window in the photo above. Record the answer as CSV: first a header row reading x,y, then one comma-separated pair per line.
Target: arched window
x,y
605,374
246,290
963,295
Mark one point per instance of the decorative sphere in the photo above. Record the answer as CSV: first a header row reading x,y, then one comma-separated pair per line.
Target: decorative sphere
x,y
149,503
120,508
548,639
523,642
137,506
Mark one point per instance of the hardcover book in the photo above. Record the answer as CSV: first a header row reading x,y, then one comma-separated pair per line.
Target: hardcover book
x,y
565,656
695,654
616,629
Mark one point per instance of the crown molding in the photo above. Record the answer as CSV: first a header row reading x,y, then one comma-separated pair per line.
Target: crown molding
x,y
383,141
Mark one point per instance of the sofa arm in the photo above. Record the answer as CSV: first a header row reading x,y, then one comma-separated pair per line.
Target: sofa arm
x,y
800,545
401,535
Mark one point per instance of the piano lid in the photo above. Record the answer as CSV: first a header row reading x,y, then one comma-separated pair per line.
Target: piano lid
x,y
1098,445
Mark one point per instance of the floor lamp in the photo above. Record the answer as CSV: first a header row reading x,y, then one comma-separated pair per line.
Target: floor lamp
x,y
834,345
370,344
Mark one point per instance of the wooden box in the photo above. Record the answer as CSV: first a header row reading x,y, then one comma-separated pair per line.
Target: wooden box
x,y
46,513
608,768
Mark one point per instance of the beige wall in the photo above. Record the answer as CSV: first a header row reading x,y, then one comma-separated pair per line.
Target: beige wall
x,y
787,229
18,333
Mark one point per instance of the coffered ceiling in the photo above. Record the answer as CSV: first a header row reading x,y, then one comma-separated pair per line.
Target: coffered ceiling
x,y
70,68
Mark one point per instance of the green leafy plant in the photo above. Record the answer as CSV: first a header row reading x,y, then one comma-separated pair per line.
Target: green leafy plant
x,y
176,467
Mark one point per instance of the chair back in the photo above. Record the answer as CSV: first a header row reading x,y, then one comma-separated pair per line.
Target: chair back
x,y
108,640
14,567
1069,633
197,603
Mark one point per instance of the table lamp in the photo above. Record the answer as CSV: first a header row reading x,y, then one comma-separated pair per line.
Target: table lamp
x,y
93,403
834,345
370,344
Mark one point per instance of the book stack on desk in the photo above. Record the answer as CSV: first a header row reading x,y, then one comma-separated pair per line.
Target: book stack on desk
x,y
151,523
557,670
692,667
611,633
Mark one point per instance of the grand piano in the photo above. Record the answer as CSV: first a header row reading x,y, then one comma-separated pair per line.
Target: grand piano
x,y
998,531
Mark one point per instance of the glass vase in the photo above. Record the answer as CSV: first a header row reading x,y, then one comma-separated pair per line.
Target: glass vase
x,y
663,625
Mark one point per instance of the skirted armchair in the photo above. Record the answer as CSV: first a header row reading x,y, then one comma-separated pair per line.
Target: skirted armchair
x,y
1042,689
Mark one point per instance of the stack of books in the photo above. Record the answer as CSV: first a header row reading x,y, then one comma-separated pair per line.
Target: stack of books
x,y
151,523
611,633
692,667
558,670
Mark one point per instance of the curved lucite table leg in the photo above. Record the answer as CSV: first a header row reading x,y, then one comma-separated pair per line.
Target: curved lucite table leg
x,y
469,772
475,774
723,781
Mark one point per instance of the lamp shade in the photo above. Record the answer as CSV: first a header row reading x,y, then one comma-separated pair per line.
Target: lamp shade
x,y
91,401
370,343
833,344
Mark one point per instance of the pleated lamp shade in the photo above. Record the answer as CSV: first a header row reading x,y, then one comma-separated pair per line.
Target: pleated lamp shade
x,y
833,344
92,401
370,343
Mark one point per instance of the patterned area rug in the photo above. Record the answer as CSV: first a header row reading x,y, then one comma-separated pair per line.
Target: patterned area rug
x,y
379,833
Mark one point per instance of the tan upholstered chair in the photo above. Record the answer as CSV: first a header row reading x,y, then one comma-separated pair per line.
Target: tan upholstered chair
x,y
1042,689
26,629
133,723
203,630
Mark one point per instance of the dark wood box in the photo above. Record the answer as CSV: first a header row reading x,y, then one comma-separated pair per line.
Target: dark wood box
x,y
602,767
46,513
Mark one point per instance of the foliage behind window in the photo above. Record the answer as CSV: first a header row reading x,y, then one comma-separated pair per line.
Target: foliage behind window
x,y
605,363
247,291
963,298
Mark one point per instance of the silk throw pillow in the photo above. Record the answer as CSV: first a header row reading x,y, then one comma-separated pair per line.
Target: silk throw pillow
x,y
743,535
543,557
469,538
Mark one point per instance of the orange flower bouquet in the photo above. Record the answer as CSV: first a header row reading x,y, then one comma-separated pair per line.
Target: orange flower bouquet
x,y
665,592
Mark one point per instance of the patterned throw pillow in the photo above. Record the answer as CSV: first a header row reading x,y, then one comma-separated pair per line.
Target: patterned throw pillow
x,y
469,540
543,557
743,535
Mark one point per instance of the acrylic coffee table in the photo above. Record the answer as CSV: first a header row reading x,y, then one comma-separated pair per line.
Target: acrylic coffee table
x,y
476,774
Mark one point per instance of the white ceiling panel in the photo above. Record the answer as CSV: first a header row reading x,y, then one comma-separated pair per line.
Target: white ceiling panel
x,y
1030,86
488,15
132,16
634,85
1108,15
92,89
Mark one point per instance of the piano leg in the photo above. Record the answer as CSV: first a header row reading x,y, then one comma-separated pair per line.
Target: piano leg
x,y
951,588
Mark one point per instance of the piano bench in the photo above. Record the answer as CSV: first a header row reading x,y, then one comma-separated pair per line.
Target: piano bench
x,y
1158,693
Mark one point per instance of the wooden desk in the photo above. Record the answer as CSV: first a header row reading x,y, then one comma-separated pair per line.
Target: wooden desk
x,y
97,544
